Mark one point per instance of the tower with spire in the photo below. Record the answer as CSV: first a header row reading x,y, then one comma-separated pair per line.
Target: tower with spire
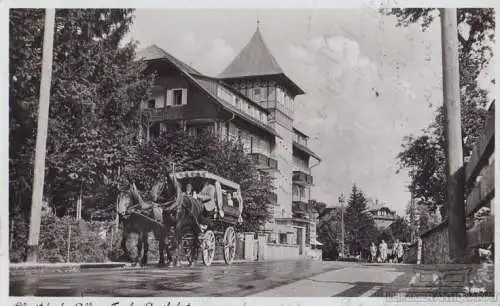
x,y
255,72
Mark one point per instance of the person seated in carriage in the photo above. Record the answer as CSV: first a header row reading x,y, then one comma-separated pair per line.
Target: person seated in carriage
x,y
189,190
207,198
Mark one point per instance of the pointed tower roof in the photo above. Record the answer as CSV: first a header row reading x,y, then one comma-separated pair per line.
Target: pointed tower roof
x,y
257,60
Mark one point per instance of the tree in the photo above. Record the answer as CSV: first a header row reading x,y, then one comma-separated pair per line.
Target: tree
x,y
419,219
424,155
400,229
329,230
359,226
96,88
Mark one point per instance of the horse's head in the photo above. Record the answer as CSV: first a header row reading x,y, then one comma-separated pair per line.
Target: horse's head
x,y
123,202
164,189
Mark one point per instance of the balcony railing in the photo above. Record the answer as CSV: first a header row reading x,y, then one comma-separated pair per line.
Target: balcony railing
x,y
300,139
300,208
302,178
263,162
154,114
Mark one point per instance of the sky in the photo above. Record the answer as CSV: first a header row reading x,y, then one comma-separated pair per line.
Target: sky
x,y
368,83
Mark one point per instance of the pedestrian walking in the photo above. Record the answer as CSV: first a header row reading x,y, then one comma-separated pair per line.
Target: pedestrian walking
x,y
373,252
399,251
383,251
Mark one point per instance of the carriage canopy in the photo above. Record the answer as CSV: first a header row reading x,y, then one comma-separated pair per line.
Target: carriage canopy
x,y
228,193
202,174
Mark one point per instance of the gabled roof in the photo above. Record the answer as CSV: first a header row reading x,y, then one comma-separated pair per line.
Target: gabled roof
x,y
254,60
376,205
153,52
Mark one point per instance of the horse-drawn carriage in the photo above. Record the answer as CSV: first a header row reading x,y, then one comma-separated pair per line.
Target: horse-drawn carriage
x,y
220,231
228,213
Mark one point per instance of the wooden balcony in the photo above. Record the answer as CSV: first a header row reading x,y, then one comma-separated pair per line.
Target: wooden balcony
x,y
302,178
154,114
263,162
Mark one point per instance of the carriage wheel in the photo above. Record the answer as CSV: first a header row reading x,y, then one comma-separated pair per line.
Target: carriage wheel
x,y
208,248
229,245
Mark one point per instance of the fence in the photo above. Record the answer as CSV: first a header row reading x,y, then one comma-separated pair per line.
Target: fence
x,y
480,177
479,202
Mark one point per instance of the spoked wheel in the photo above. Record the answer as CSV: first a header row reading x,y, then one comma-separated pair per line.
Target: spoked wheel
x,y
229,245
208,248
187,252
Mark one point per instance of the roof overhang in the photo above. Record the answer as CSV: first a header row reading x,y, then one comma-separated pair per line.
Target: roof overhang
x,y
294,89
316,242
306,150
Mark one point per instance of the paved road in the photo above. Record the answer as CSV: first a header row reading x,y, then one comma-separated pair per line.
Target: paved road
x,y
264,279
284,278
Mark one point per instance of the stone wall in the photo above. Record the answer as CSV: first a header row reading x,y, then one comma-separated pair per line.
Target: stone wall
x,y
435,245
410,255
280,251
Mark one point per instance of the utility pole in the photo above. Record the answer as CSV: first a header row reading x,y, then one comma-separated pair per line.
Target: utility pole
x,y
453,135
41,137
342,241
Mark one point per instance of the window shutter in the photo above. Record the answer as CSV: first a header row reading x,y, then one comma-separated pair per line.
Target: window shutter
x,y
169,97
160,101
184,96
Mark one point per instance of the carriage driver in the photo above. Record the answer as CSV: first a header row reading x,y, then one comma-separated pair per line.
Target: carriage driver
x,y
207,197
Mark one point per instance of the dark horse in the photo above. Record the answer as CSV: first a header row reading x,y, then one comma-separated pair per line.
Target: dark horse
x,y
151,218
188,214
181,213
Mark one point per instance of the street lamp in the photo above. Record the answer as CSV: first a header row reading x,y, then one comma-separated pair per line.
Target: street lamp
x,y
342,242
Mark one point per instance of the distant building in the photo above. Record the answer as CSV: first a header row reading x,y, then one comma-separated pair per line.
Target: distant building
x,y
381,214
251,101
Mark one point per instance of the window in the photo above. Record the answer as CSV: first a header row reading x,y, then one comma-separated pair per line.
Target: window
x,y
271,94
177,97
240,135
283,238
151,103
302,193
256,91
295,193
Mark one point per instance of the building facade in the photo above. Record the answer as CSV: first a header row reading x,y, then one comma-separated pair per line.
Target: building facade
x,y
252,101
382,215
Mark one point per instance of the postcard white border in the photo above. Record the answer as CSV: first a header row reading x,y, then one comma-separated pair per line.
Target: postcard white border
x,y
198,4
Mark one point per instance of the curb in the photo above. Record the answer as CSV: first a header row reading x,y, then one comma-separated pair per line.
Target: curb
x,y
63,267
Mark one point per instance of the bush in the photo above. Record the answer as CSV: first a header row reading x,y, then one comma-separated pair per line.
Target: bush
x,y
18,237
87,242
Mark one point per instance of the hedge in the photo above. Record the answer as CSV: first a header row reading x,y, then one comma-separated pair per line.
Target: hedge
x,y
91,242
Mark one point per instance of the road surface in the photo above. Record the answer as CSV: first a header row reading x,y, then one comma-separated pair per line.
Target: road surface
x,y
303,278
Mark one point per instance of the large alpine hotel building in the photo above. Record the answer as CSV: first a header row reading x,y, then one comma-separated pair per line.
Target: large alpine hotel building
x,y
252,100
